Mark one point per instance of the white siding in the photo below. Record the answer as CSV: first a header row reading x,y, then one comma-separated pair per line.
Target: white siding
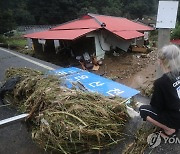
x,y
104,40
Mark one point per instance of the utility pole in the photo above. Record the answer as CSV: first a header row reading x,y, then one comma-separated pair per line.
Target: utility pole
x,y
166,19
163,37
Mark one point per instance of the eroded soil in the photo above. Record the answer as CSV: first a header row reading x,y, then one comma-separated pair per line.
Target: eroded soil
x,y
136,70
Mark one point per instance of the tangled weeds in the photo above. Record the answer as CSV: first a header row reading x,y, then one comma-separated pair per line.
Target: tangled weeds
x,y
148,90
67,120
139,144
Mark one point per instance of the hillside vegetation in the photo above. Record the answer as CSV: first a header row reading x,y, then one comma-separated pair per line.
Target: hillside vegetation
x,y
29,12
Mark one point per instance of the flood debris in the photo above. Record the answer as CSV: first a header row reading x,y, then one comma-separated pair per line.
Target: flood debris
x,y
140,144
67,120
148,90
88,62
141,49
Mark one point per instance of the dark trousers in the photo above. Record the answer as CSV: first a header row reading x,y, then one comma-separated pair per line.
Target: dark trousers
x,y
148,110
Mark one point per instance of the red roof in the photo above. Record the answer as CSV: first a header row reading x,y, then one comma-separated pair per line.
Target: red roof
x,y
79,24
128,34
177,42
121,24
122,27
62,34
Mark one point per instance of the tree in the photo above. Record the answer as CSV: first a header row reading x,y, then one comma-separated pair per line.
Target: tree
x,y
13,13
52,11
138,8
25,12
7,21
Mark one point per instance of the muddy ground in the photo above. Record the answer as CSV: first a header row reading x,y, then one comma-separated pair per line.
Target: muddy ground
x,y
136,70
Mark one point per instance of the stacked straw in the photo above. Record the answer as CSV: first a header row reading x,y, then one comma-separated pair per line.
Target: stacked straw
x,y
66,120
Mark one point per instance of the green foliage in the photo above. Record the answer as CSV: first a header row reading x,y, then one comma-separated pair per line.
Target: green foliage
x,y
27,12
2,39
52,11
19,43
7,21
138,8
23,17
154,35
176,32
16,41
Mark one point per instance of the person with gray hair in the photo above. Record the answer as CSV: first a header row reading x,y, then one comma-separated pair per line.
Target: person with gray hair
x,y
164,108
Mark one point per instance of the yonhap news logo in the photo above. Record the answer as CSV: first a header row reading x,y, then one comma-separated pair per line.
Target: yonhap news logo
x,y
155,139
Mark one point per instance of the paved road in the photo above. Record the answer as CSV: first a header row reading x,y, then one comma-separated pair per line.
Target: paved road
x,y
15,139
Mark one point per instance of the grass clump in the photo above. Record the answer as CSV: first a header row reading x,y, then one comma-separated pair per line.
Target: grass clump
x,y
66,120
16,42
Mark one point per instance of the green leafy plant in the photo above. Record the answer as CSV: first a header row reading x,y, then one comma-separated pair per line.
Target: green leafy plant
x,y
176,32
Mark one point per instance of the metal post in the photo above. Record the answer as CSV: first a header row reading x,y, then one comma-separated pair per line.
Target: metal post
x,y
163,39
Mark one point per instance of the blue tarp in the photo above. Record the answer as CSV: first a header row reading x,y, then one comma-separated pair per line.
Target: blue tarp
x,y
94,83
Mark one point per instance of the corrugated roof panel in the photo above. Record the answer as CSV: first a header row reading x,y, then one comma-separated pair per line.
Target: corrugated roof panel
x,y
177,42
79,24
68,31
59,34
127,35
119,24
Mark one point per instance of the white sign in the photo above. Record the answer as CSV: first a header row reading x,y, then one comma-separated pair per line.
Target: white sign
x,y
167,14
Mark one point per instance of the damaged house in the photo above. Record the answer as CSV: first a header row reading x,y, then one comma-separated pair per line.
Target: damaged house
x,y
93,34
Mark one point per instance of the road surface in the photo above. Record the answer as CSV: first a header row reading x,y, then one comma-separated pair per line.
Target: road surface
x,y
15,139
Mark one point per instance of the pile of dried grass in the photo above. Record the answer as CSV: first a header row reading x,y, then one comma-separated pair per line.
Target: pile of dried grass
x,y
69,121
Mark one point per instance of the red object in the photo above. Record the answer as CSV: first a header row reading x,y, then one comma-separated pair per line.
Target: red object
x,y
121,27
79,24
177,42
128,34
59,34
121,24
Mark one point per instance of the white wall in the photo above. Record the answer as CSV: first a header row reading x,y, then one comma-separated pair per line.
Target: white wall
x,y
104,40
116,41
100,45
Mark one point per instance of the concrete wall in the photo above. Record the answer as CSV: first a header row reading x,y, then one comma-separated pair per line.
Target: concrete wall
x,y
138,41
104,40
100,45
116,41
